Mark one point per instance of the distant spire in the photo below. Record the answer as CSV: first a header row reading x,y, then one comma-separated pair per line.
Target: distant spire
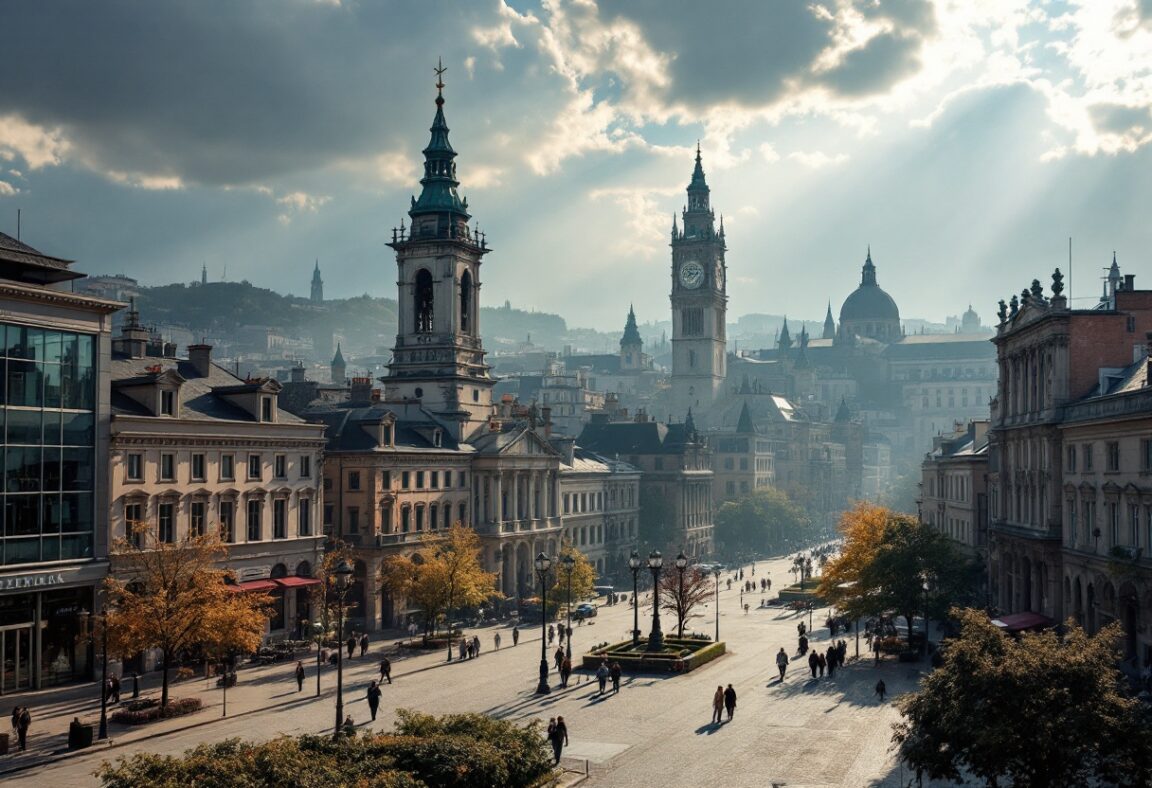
x,y
203,273
744,423
785,341
631,332
439,183
868,274
829,324
698,183
842,413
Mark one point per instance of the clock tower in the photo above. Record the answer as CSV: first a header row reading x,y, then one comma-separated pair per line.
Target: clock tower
x,y
699,303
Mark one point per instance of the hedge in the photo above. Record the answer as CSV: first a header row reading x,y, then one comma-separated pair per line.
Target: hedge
x,y
139,712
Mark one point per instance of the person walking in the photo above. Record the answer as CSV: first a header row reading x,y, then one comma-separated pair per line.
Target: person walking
x,y
363,644
781,662
821,662
614,672
386,669
558,736
602,674
374,698
801,629
558,658
717,704
496,640
114,689
23,723
299,676
813,662
351,645
730,701
476,645
463,648
803,645
565,672
881,690
831,658
551,634
515,635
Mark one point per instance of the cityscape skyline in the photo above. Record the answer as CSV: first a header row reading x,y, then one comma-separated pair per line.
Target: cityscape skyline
x,y
979,138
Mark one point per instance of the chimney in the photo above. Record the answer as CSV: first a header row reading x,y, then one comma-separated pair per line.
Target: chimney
x,y
297,374
361,390
200,357
1129,282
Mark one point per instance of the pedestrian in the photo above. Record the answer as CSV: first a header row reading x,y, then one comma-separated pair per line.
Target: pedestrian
x,y
568,631
349,727
565,671
781,662
831,659
515,635
471,649
821,662
386,669
364,644
374,698
475,645
614,672
496,639
558,657
881,689
745,608
602,674
551,634
813,662
560,635
559,737
463,648
769,581
800,628
23,723
741,574
115,682
717,704
351,645
730,701
803,645
729,584
299,676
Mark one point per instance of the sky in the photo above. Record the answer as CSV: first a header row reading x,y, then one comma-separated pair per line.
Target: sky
x,y
965,141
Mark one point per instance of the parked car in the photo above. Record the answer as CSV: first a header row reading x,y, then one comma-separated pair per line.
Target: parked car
x,y
585,610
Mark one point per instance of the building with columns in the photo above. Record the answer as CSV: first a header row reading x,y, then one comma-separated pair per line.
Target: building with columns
x,y
600,507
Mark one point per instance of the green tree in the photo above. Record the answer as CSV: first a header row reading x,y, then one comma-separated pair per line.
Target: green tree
x,y
583,577
761,521
1037,709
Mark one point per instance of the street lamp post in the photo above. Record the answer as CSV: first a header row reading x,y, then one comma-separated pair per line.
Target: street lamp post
x,y
716,574
102,733
318,630
681,565
634,563
343,579
569,566
656,638
543,564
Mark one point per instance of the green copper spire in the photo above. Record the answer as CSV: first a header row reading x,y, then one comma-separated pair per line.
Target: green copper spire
x,y
631,332
439,183
698,184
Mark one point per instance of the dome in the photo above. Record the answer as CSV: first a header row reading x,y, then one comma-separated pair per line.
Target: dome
x,y
869,303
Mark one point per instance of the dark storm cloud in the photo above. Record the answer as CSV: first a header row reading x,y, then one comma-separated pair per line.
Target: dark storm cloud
x,y
216,92
753,52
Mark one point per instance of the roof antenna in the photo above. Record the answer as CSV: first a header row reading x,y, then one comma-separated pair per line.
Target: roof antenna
x,y
17,224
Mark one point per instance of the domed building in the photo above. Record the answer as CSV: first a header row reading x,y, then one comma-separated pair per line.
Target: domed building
x,y
869,311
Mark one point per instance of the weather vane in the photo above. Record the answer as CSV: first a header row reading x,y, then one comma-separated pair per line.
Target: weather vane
x,y
439,74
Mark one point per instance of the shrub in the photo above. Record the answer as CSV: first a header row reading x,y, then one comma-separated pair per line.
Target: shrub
x,y
139,712
183,674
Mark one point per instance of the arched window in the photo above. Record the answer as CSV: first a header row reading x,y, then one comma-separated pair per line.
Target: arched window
x,y
466,302
423,301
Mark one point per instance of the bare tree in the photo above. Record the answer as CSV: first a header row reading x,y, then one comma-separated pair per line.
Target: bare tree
x,y
681,599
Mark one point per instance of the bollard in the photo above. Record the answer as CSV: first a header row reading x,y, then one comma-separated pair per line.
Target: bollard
x,y
135,684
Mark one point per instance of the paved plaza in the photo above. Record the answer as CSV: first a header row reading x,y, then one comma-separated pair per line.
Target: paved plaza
x,y
802,733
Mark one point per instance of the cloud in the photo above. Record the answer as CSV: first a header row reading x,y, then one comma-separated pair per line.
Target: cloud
x,y
645,225
817,159
296,203
35,145
7,189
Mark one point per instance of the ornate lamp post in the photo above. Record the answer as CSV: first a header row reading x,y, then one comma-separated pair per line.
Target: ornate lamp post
x,y
656,638
634,563
102,732
569,566
716,574
543,564
318,630
681,565
343,580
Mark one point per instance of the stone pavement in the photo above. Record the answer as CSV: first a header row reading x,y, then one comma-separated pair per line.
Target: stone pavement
x,y
802,733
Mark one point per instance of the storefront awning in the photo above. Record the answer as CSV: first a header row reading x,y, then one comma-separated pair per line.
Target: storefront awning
x,y
296,582
254,585
1018,622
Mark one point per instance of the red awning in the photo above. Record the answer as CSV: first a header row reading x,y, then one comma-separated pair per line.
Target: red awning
x,y
254,585
296,582
1018,622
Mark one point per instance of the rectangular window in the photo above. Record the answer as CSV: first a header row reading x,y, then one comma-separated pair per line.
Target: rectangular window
x,y
1086,451
280,466
353,480
463,514
405,519
255,467
419,480
227,521
419,518
405,480
447,480
135,467
1146,456
1072,521
198,468
196,518
434,477
227,467
133,520
463,479
448,514
328,512
1113,524
166,519
353,520
266,409
167,403
280,519
305,466
693,321
1133,525
167,467
1112,449
254,529
304,508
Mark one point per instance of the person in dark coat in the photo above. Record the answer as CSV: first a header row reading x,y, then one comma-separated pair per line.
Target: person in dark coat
x,y
831,658
813,663
803,645
515,636
821,662
559,737
23,723
299,676
730,701
114,689
374,698
565,671
386,669
351,645
364,644
558,658
881,690
614,672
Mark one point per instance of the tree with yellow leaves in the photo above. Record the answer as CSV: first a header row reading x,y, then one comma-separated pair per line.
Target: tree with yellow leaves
x,y
863,529
442,574
583,577
324,596
172,596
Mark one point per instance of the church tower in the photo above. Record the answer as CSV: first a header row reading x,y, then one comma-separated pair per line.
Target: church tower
x,y
699,302
631,345
338,368
438,358
317,285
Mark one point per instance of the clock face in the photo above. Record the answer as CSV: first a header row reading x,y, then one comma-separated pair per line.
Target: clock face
x,y
691,274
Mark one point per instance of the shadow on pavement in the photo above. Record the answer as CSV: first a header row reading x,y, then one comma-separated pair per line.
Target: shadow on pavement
x,y
709,729
854,685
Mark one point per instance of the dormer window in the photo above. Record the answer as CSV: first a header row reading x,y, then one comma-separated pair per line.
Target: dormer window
x,y
167,403
265,409
436,434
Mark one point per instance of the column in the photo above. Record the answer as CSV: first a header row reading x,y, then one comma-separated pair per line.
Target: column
x,y
498,503
531,507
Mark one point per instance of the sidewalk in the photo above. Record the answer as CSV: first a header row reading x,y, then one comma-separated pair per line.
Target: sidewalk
x,y
258,688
